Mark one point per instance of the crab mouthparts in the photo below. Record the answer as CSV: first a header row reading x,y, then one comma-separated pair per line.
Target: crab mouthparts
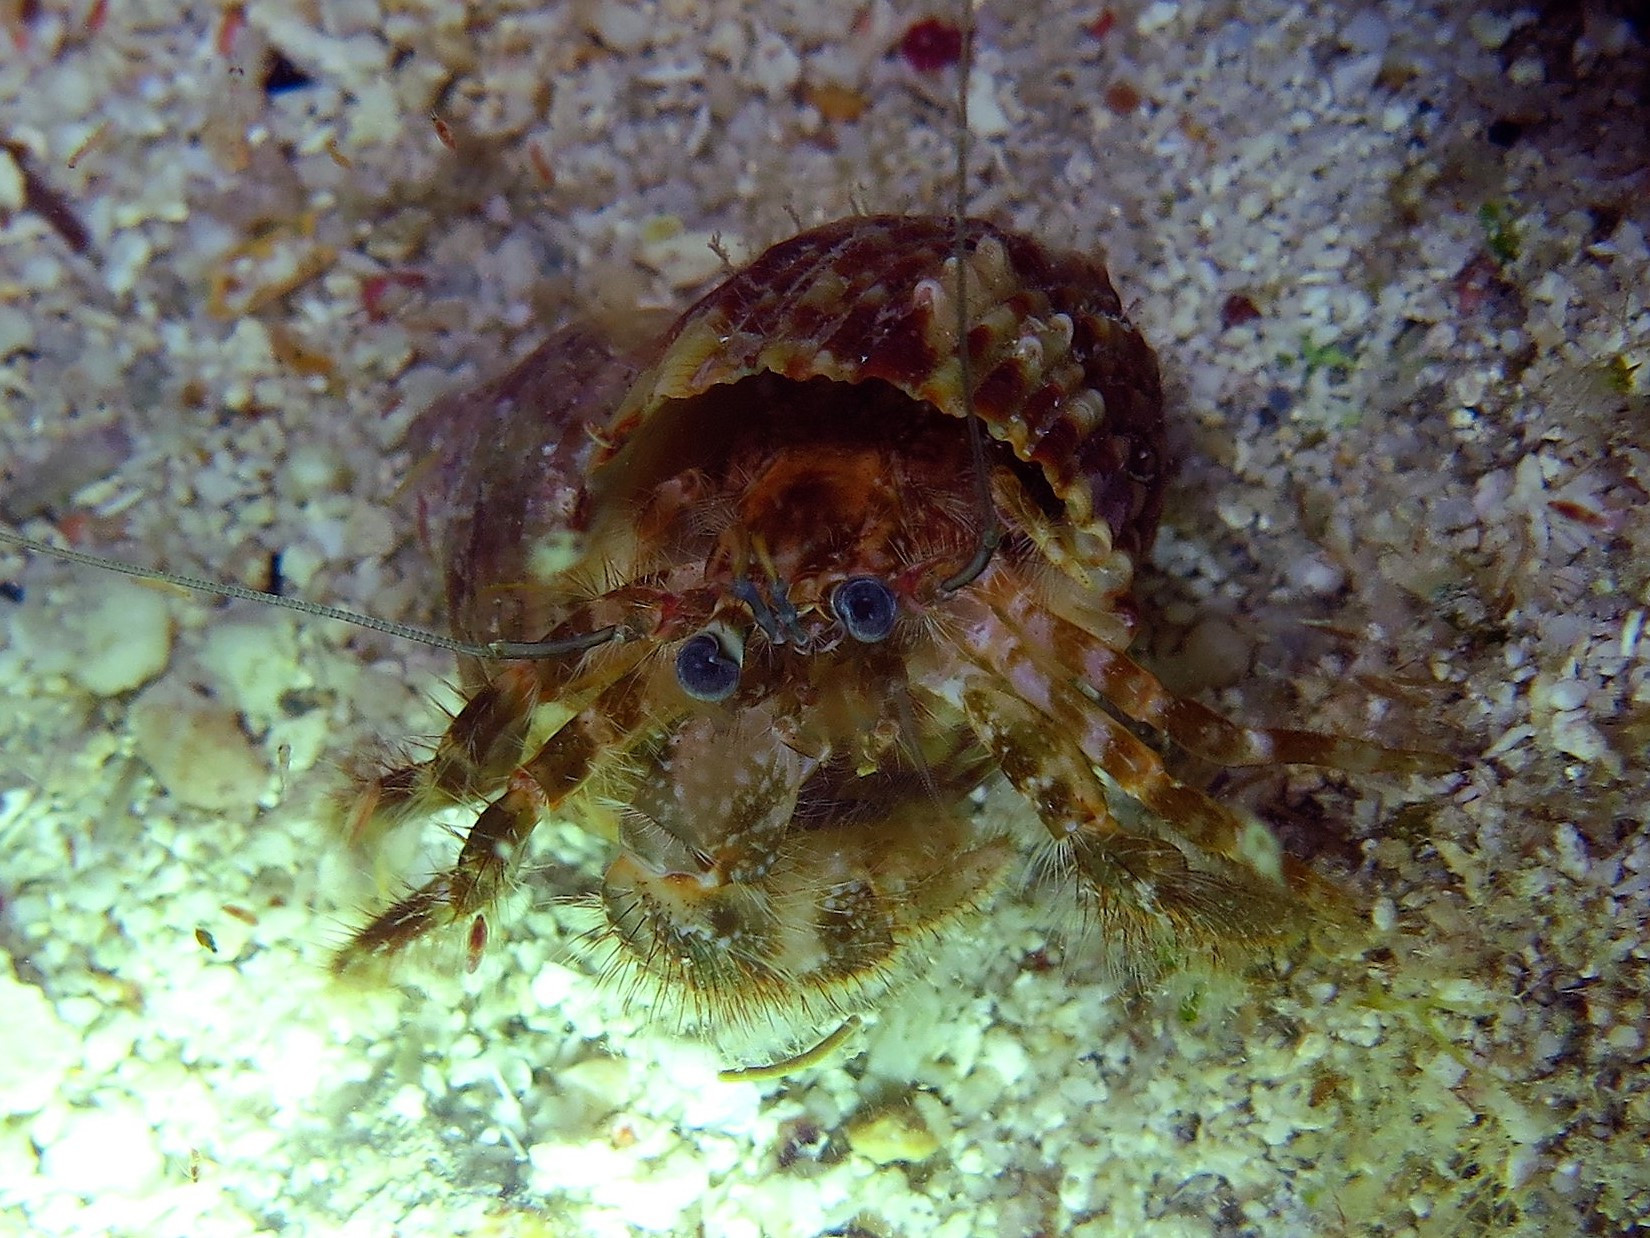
x,y
779,620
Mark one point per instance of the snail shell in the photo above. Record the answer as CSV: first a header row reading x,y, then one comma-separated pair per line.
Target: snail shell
x,y
1059,373
526,464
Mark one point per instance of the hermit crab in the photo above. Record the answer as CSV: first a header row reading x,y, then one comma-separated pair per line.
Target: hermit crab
x,y
801,607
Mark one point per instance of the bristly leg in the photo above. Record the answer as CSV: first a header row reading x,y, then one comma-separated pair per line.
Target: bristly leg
x,y
1034,685
1111,676
484,742
1141,886
1135,766
475,755
613,722
468,889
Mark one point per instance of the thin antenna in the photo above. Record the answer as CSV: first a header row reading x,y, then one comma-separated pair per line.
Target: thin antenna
x,y
991,531
489,651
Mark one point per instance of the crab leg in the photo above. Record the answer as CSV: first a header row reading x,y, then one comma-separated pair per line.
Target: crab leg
x,y
619,718
1138,882
1112,676
999,650
484,742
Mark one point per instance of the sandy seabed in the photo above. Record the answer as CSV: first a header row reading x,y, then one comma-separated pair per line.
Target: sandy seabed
x,y
1393,257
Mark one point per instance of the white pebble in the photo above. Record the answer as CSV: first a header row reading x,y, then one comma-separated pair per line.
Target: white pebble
x,y
986,117
1571,851
1446,1070
194,746
552,985
1384,914
1315,574
110,1149
560,1166
13,192
313,470
1625,1038
123,642
773,65
1491,30
1157,15
1352,79
1004,1054
622,27
16,330
685,259
1367,32
889,1134
408,1103
128,254
1568,694
254,659
658,1202
1571,732
39,1049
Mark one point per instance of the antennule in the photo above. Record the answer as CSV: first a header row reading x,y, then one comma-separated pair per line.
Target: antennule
x,y
991,531
489,651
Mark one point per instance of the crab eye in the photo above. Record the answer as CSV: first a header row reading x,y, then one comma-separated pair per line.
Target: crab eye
x,y
706,668
1142,465
866,607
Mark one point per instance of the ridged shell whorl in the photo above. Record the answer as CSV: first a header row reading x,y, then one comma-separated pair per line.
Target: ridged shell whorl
x,y
1059,373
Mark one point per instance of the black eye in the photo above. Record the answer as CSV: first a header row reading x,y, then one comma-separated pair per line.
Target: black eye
x,y
1142,465
706,670
866,607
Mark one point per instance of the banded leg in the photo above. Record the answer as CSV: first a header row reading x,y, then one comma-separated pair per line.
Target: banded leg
x,y
468,889
1138,771
1140,884
1060,706
1112,676
484,742
609,726
475,755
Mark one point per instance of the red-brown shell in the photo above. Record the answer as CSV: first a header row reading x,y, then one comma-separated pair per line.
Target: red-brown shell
x,y
1059,374
509,460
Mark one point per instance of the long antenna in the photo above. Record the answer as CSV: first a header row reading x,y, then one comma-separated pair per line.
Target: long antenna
x,y
490,650
991,531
